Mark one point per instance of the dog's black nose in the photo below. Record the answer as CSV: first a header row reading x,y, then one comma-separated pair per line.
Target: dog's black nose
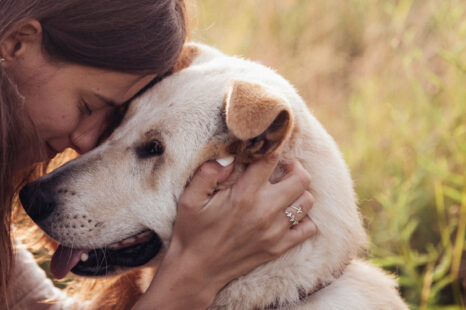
x,y
37,201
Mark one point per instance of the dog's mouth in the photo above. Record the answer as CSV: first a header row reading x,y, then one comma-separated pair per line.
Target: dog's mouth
x,y
130,252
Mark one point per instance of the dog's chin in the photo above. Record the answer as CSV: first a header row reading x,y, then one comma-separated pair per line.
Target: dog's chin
x,y
119,257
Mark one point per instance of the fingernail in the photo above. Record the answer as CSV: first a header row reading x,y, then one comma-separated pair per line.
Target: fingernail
x,y
226,161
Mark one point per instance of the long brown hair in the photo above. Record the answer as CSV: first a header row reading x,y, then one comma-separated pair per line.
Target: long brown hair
x,y
137,36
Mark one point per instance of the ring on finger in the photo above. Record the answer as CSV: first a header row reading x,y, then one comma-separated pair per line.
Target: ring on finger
x,y
298,209
292,218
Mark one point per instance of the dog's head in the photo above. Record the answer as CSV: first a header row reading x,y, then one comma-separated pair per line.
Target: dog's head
x,y
114,207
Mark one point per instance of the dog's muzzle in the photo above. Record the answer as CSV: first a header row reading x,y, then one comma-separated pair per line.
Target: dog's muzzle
x,y
41,198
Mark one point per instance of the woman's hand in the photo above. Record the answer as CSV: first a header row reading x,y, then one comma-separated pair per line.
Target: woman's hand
x,y
219,237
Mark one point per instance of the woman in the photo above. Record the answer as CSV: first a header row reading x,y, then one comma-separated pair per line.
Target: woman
x,y
66,69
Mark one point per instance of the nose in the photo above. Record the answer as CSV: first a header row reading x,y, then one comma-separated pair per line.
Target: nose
x,y
87,133
83,142
38,202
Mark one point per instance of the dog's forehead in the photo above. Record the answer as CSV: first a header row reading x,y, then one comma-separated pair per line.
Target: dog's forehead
x,y
177,103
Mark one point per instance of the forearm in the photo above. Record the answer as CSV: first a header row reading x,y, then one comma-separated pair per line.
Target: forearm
x,y
180,283
29,287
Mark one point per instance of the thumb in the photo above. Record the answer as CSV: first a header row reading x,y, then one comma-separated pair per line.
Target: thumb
x,y
204,183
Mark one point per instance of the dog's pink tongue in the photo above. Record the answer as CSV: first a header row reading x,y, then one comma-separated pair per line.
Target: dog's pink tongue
x,y
64,260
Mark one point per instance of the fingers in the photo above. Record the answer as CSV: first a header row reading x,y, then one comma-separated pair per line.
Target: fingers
x,y
203,184
258,173
291,186
299,209
285,231
304,230
296,177
296,235
294,168
292,237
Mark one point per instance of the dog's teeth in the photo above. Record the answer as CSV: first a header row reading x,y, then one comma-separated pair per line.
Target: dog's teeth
x,y
114,245
84,257
129,241
144,234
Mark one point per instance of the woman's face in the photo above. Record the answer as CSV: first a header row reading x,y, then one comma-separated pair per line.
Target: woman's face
x,y
69,104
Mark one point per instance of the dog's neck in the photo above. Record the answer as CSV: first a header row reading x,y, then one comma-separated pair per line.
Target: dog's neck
x,y
303,294
283,301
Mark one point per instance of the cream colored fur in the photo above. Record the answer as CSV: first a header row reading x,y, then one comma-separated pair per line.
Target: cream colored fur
x,y
123,194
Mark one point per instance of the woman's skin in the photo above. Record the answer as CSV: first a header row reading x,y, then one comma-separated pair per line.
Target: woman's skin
x,y
67,103
236,229
216,238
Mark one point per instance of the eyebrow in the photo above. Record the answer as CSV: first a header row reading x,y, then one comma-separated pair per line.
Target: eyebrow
x,y
107,101
113,104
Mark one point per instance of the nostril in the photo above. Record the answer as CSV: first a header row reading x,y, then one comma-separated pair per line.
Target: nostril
x,y
37,202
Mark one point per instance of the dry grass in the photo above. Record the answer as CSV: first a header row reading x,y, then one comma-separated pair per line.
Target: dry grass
x,y
388,79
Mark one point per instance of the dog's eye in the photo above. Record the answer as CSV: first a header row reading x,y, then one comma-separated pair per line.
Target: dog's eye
x,y
150,149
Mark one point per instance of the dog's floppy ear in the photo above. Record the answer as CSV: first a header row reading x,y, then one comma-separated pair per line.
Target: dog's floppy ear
x,y
259,120
188,53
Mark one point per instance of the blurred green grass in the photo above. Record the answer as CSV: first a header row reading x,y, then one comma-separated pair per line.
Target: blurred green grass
x,y
388,80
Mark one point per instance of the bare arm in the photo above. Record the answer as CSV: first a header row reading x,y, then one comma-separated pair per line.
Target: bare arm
x,y
29,287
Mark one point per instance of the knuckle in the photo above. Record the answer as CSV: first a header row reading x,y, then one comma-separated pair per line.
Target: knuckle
x,y
304,177
273,157
307,230
309,199
291,165
207,171
307,179
272,236
311,229
184,202
275,251
240,201
301,175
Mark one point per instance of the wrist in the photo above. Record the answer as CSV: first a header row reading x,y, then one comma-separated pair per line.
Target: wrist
x,y
181,282
192,270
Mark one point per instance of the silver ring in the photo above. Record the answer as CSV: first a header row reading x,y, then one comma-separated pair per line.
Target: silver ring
x,y
292,218
298,209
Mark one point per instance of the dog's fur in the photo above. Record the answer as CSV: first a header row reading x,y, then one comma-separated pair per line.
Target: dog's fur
x,y
215,106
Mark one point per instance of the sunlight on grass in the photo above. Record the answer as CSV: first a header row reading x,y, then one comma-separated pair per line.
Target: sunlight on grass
x,y
388,80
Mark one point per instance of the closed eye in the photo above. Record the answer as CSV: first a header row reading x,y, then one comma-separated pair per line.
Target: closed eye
x,y
86,107
150,149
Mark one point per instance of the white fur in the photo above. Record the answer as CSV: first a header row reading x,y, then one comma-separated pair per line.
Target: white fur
x,y
126,194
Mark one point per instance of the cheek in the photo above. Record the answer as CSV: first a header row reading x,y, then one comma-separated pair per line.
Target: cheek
x,y
51,102
52,115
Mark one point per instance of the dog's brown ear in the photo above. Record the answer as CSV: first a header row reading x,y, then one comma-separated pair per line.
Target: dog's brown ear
x,y
188,53
259,120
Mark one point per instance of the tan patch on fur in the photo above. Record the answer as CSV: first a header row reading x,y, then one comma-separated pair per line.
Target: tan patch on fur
x,y
212,150
187,55
122,294
261,121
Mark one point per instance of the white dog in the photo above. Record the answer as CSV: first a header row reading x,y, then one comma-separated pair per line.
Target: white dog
x,y
120,199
